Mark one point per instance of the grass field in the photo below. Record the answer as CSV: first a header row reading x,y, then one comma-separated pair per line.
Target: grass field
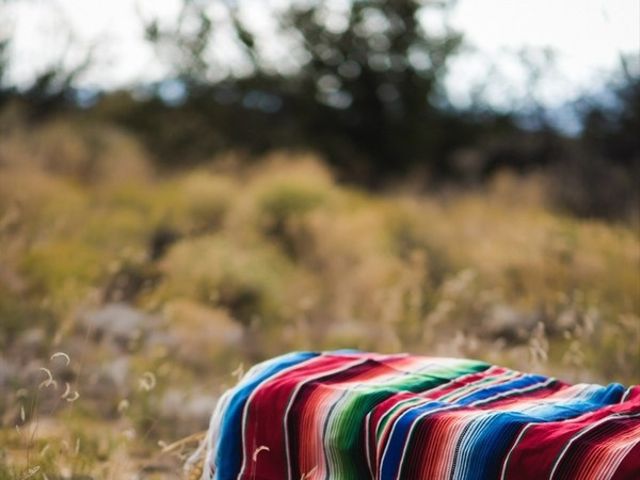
x,y
160,288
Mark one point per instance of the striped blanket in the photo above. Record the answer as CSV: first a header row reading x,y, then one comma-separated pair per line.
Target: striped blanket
x,y
350,415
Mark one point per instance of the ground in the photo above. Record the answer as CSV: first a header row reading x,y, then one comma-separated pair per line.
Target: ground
x,y
130,298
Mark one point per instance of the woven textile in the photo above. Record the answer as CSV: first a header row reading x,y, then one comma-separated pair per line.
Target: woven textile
x,y
352,415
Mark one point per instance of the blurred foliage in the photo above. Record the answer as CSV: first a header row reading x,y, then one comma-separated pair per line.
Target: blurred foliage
x,y
337,201
600,174
299,261
361,84
223,264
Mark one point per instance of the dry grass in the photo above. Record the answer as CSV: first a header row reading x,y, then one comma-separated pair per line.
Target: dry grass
x,y
238,264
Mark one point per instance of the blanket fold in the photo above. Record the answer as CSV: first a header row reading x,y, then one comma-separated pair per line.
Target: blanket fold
x,y
350,415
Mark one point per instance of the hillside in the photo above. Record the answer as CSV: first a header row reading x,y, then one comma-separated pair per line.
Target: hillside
x,y
131,297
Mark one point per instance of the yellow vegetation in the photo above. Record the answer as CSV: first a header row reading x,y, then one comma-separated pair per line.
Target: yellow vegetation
x,y
279,256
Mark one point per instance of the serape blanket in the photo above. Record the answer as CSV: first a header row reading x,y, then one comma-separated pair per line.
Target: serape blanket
x,y
349,415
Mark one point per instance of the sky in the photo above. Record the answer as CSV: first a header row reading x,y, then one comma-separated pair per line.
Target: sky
x,y
587,38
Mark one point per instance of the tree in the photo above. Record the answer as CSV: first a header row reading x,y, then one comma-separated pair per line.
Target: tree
x,y
361,79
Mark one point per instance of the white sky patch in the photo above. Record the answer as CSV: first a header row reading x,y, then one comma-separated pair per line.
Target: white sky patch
x,y
586,36
45,31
